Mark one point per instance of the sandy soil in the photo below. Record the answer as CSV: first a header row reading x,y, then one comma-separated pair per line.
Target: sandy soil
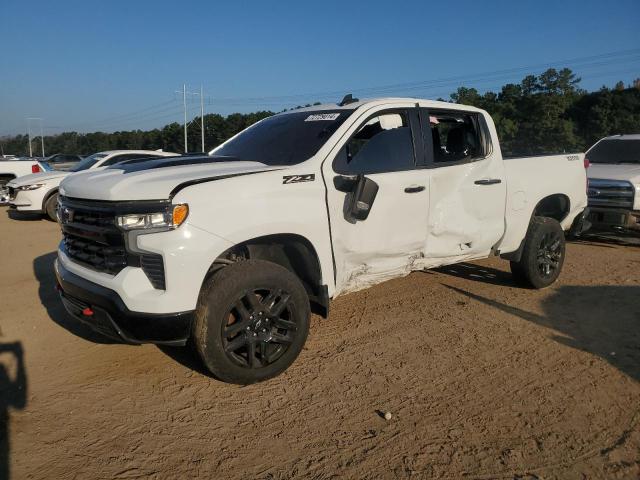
x,y
483,379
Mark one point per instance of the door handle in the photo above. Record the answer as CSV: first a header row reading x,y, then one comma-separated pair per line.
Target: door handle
x,y
414,189
488,181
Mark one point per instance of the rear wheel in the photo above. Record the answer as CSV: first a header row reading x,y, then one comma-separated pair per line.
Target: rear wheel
x,y
543,254
252,321
51,206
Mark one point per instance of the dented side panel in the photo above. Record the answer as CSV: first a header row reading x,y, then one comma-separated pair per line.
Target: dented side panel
x,y
390,242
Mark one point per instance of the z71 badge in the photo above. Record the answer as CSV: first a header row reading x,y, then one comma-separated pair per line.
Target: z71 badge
x,y
310,177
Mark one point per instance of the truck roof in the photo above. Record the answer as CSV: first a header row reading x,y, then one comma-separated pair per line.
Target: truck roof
x,y
632,136
156,152
372,102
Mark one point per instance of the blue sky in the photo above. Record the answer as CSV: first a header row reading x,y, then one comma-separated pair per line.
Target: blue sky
x,y
112,65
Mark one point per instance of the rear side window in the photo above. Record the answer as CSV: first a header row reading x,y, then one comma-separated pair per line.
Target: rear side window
x,y
615,151
455,136
383,144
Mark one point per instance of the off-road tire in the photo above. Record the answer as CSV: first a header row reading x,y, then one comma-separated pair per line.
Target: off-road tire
x,y
217,315
50,207
543,254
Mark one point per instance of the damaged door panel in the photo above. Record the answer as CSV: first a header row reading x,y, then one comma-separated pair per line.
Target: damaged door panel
x,y
467,192
386,237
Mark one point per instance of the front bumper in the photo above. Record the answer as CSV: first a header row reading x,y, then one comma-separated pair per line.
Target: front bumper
x,y
103,310
27,200
608,218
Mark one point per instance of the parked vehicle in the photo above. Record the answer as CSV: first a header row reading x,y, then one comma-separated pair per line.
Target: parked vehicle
x,y
13,168
235,249
614,183
38,193
63,161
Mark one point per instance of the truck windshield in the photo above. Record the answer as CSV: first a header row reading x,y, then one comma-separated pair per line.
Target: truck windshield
x,y
285,139
615,151
88,162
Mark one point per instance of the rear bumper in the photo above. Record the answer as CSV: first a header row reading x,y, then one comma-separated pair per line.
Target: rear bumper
x,y
603,218
110,317
581,223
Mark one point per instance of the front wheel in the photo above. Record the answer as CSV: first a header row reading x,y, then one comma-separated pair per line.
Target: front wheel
x,y
543,254
51,206
251,322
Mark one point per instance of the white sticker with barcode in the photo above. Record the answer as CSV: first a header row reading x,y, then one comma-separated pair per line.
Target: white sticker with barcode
x,y
318,117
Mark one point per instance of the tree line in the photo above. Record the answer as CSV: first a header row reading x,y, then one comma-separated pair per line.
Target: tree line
x,y
542,114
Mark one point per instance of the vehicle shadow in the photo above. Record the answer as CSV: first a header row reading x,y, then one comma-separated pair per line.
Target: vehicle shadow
x,y
479,273
13,394
185,356
607,239
603,320
44,273
24,216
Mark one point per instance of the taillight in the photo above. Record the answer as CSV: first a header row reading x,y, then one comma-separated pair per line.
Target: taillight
x,y
35,168
586,166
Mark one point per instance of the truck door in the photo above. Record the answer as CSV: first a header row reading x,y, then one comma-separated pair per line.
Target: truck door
x,y
377,200
467,186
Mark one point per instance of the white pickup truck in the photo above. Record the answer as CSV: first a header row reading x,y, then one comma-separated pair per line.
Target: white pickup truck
x,y
235,249
10,169
614,183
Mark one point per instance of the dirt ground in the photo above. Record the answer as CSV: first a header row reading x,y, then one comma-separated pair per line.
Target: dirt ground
x,y
483,379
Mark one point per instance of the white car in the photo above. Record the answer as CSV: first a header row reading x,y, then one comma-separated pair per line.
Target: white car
x,y
235,249
614,183
38,193
11,168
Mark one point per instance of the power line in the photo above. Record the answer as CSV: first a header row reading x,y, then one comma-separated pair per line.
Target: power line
x,y
433,82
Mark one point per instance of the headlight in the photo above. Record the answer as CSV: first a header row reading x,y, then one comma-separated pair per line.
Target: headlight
x,y
33,186
173,217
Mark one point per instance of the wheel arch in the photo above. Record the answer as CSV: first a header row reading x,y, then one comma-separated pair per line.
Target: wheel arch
x,y
556,206
291,251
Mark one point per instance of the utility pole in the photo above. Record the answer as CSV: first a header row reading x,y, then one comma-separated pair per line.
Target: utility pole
x,y
184,104
41,135
42,138
29,129
202,117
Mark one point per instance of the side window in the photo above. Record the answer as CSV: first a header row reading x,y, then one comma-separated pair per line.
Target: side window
x,y
383,144
456,136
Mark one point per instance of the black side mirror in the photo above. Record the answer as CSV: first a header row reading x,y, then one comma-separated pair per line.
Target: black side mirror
x,y
362,193
362,198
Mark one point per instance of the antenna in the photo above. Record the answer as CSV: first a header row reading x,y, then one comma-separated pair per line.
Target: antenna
x,y
348,98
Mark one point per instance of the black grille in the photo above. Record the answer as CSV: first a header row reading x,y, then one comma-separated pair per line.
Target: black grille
x,y
610,193
104,258
92,239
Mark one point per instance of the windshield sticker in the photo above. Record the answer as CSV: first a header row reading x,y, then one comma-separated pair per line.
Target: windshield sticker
x,y
319,117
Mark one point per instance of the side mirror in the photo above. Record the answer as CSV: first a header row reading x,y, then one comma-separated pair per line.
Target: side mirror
x,y
362,198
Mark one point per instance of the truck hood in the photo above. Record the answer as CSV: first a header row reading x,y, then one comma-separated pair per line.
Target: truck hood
x,y
629,172
38,178
152,179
